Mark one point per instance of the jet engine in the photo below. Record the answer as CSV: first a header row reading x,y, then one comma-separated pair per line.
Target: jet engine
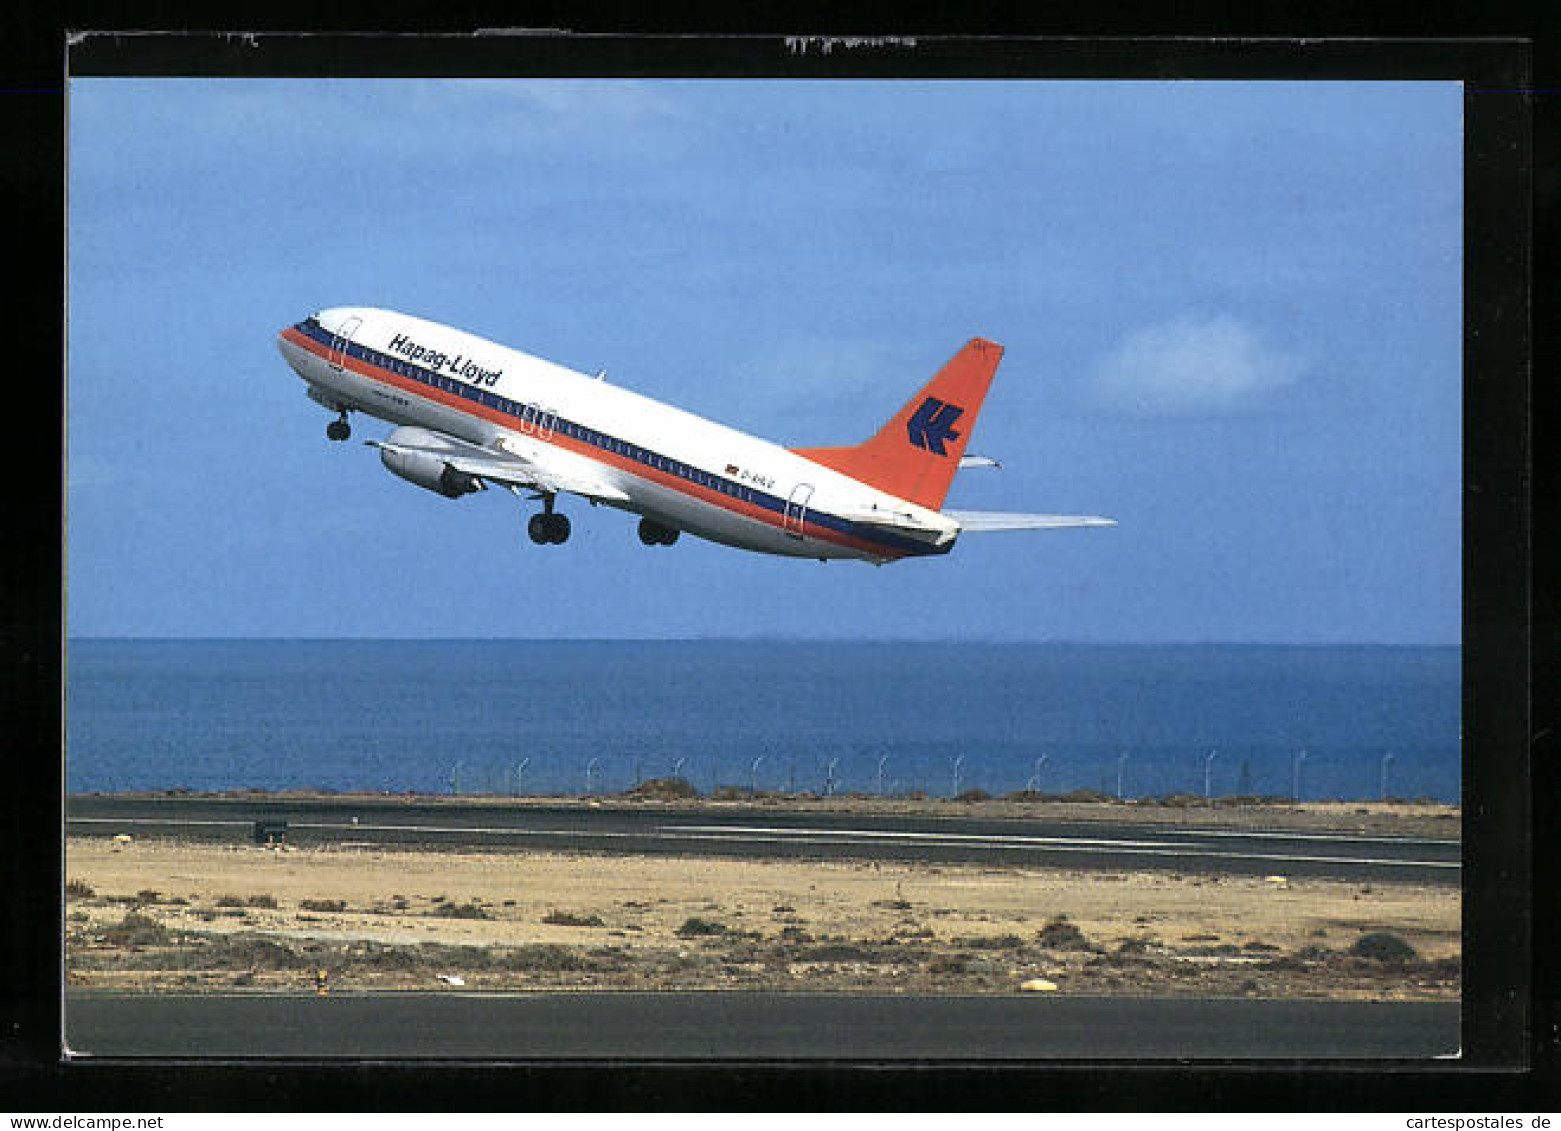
x,y
428,470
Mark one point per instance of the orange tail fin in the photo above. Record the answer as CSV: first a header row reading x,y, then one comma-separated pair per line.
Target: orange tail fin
x,y
916,454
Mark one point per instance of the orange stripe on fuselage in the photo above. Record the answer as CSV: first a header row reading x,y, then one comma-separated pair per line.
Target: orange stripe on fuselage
x,y
568,443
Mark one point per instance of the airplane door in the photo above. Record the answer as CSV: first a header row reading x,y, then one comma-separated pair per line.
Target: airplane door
x,y
797,510
340,339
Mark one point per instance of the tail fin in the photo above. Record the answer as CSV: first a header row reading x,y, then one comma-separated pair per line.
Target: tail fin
x,y
916,454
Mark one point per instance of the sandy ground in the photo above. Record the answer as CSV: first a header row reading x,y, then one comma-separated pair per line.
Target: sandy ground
x,y
159,914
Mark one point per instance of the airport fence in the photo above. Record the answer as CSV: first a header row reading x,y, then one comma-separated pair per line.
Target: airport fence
x,y
1125,775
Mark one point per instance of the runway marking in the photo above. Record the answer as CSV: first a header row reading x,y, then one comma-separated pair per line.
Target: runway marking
x,y
1339,837
1035,844
910,835
150,821
329,826
483,830
1229,834
813,836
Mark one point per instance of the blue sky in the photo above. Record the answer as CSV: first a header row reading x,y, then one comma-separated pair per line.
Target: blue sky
x,y
1231,312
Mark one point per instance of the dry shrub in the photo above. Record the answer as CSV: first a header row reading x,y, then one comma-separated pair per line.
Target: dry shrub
x,y
462,911
1384,947
1060,934
697,926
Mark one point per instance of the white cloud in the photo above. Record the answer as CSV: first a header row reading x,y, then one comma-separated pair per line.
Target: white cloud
x,y
1189,366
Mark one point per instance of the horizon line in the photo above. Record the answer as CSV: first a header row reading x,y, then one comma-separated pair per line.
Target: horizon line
x,y
763,639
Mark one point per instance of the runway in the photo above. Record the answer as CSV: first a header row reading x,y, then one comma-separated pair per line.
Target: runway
x,y
748,1026
755,833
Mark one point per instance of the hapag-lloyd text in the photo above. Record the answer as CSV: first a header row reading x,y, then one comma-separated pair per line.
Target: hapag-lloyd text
x,y
458,366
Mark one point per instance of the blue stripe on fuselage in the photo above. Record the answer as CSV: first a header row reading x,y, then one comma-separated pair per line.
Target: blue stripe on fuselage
x,y
619,447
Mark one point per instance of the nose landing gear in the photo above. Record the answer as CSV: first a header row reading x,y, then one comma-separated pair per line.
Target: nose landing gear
x,y
338,429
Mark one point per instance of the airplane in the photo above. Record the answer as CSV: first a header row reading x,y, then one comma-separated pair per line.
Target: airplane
x,y
470,413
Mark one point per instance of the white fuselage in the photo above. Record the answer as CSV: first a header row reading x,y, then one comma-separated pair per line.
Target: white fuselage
x,y
676,468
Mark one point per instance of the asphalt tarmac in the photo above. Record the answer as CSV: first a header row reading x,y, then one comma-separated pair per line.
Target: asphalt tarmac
x,y
759,833
750,1026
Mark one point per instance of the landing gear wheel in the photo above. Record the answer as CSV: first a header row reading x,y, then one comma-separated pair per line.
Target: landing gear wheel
x,y
654,534
338,429
545,528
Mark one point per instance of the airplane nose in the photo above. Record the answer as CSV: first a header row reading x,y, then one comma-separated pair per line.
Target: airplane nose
x,y
290,335
288,348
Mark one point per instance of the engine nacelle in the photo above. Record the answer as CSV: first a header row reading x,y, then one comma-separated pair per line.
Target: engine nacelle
x,y
427,469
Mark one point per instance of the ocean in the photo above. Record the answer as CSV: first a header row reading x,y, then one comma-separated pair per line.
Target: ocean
x,y
577,717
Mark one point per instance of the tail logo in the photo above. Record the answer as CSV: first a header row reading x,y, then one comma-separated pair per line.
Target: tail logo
x,y
932,425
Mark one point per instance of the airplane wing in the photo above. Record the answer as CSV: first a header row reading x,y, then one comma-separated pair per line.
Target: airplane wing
x,y
510,469
978,522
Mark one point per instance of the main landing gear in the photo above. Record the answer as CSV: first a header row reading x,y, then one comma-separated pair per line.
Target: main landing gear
x,y
655,534
548,527
338,429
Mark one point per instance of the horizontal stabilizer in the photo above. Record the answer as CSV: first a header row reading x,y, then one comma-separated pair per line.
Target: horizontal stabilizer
x,y
977,461
978,522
